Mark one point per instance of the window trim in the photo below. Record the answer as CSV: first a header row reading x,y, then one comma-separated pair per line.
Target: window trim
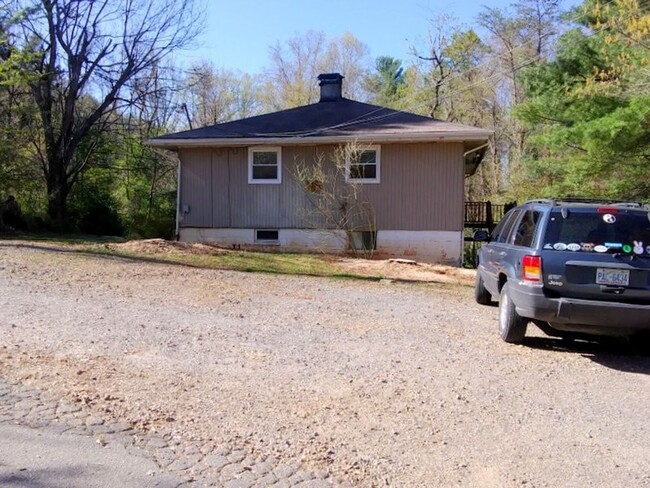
x,y
251,151
377,178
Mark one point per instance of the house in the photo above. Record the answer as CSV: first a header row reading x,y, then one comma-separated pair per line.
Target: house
x,y
238,183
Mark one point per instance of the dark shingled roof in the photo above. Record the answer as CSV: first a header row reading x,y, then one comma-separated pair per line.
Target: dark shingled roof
x,y
328,119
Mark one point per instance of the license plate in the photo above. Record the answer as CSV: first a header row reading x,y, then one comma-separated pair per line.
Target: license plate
x,y
618,277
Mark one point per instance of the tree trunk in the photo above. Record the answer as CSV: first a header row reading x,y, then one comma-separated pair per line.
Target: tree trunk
x,y
58,190
78,46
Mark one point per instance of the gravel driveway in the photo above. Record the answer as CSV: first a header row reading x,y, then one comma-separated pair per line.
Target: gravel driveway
x,y
370,383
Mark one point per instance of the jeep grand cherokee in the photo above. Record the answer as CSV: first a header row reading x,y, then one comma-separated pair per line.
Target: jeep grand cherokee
x,y
572,267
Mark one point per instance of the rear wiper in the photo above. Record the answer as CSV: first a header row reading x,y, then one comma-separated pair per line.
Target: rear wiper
x,y
632,256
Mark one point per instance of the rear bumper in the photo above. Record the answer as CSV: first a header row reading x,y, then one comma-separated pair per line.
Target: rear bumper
x,y
530,302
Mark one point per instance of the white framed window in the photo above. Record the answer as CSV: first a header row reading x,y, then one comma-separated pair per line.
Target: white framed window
x,y
264,165
363,165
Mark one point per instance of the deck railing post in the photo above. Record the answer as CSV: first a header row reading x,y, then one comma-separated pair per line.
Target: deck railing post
x,y
489,219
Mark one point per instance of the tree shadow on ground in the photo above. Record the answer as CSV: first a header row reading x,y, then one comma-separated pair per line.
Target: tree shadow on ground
x,y
117,256
629,356
109,255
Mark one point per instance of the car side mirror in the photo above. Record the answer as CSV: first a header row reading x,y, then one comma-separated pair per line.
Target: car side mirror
x,y
481,236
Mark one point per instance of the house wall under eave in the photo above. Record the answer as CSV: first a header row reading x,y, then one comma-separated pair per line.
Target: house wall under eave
x,y
196,188
421,189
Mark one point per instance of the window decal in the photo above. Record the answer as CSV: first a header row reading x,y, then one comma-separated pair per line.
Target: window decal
x,y
609,218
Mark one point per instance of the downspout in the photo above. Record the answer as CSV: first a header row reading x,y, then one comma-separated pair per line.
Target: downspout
x,y
178,180
475,149
178,200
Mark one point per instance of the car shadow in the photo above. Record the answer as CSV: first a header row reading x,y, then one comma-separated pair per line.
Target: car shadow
x,y
626,356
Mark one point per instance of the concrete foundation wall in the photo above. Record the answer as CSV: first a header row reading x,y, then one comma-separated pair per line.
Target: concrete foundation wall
x,y
425,246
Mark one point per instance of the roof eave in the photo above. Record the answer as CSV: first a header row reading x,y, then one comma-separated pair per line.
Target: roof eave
x,y
455,136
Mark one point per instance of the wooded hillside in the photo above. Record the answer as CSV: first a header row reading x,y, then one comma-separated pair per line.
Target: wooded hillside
x,y
83,83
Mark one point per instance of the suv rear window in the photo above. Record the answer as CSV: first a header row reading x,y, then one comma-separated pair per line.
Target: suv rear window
x,y
598,230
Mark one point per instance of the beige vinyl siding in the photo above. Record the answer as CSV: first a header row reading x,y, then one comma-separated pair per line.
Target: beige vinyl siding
x,y
269,206
221,187
196,187
230,201
421,188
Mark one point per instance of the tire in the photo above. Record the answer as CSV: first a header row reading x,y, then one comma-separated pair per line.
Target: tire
x,y
481,295
512,326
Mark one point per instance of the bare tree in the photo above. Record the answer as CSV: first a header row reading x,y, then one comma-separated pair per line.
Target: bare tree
x,y
295,65
349,56
517,42
439,69
452,65
91,48
338,202
154,110
459,86
219,95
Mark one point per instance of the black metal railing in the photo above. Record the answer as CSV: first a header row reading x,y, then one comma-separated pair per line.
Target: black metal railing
x,y
485,215
481,215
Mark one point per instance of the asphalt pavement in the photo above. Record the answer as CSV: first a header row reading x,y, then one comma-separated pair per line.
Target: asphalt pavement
x,y
41,457
48,442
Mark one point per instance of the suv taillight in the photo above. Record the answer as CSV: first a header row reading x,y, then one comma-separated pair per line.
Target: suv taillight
x,y
532,269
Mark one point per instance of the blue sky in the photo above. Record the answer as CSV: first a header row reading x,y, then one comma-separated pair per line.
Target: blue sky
x,y
238,33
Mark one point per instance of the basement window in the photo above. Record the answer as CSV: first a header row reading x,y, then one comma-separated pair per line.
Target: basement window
x,y
264,165
267,236
362,166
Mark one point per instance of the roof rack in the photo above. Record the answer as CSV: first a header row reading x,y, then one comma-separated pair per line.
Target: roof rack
x,y
607,201
591,201
549,201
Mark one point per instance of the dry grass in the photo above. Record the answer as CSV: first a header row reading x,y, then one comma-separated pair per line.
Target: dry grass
x,y
215,257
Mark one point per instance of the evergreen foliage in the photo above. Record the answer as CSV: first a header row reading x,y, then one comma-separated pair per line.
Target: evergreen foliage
x,y
588,113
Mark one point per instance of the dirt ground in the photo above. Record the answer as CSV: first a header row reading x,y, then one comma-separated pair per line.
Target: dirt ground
x,y
395,269
381,383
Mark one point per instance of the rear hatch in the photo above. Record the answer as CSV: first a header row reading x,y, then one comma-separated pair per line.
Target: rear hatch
x,y
598,253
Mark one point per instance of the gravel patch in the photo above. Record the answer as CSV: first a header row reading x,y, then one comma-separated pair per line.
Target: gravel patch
x,y
250,380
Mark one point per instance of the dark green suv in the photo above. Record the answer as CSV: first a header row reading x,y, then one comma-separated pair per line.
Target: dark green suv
x,y
573,267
